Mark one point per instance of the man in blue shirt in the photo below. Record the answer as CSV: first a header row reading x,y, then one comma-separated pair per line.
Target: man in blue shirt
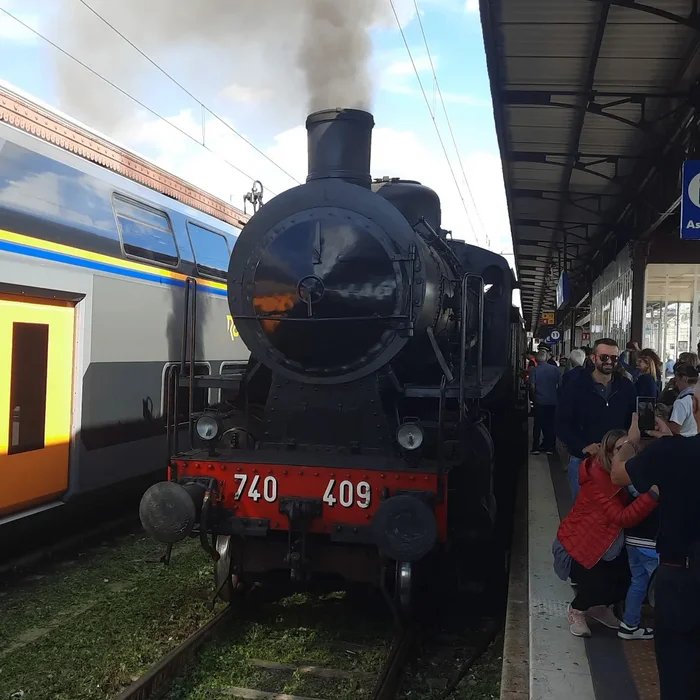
x,y
544,384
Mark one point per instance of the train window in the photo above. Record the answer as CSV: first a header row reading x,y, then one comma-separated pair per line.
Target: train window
x,y
146,233
201,395
211,251
30,352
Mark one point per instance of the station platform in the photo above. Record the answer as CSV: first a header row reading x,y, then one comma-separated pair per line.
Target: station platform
x,y
542,660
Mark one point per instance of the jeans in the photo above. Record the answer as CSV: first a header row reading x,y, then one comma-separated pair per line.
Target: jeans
x,y
544,422
677,633
574,464
643,563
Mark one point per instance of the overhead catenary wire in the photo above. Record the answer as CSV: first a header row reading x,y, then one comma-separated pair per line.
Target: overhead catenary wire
x,y
449,123
129,96
432,116
220,119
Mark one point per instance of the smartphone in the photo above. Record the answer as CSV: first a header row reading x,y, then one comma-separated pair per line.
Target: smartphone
x,y
646,410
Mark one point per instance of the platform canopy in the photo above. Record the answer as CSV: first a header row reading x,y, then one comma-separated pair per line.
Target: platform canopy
x,y
594,104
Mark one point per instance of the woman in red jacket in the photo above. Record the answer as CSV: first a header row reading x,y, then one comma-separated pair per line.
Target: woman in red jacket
x,y
590,546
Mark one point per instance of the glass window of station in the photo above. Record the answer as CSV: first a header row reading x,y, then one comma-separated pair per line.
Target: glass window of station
x,y
672,314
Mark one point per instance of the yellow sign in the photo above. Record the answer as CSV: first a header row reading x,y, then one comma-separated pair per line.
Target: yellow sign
x,y
231,327
548,318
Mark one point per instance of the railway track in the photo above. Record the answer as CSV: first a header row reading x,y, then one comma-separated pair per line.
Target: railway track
x,y
449,660
382,686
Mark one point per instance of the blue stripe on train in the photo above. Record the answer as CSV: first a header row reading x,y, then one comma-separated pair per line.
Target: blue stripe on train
x,y
99,266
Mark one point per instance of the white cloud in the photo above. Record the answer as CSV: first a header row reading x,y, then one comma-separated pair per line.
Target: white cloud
x,y
471,6
405,68
246,94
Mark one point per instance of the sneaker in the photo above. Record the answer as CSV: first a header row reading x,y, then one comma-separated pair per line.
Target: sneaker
x,y
577,623
550,452
534,451
605,615
631,633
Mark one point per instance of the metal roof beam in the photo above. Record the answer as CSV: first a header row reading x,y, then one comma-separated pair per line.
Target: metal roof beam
x,y
544,97
598,109
536,156
537,194
577,165
577,130
691,21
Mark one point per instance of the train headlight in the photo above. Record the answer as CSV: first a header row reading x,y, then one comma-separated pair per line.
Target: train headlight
x,y
207,427
409,436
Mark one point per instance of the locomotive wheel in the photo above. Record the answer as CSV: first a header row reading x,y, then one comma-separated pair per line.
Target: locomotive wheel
x,y
224,569
403,586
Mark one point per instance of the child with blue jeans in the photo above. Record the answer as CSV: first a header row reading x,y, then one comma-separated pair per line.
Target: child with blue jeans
x,y
640,542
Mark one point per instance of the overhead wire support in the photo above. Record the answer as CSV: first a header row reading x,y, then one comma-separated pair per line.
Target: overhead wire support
x,y
432,116
220,119
449,123
126,94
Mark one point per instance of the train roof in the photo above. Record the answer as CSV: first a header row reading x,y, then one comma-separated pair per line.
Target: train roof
x,y
46,123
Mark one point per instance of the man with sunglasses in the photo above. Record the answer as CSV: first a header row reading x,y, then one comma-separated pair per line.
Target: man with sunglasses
x,y
594,402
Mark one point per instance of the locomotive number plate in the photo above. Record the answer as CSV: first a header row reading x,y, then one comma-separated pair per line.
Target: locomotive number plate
x,y
345,494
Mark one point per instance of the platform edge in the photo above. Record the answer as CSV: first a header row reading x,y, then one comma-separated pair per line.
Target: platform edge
x,y
515,674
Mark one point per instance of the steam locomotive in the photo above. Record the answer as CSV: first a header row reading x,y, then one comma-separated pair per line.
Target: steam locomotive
x,y
368,432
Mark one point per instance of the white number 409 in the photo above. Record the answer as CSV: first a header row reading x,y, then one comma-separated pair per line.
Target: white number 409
x,y
348,493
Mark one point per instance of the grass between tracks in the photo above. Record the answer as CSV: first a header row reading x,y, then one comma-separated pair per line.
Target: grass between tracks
x,y
429,678
332,631
83,629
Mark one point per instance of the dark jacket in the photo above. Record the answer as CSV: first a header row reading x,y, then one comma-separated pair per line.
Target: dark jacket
x,y
569,375
646,386
584,416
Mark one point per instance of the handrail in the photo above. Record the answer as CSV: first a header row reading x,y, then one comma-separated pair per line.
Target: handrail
x,y
464,308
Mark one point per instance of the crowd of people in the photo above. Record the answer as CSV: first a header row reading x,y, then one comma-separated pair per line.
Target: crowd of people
x,y
635,518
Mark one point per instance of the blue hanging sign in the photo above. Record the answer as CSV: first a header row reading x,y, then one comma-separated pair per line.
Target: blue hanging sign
x,y
562,290
690,201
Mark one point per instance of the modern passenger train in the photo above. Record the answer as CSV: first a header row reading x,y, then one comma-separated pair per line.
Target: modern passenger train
x,y
92,269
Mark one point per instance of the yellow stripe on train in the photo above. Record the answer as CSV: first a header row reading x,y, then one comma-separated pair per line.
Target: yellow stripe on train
x,y
60,248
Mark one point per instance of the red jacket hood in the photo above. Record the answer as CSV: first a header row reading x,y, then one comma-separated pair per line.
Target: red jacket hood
x,y
591,472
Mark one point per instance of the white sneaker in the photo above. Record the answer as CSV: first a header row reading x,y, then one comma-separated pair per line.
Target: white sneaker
x,y
605,615
632,633
577,623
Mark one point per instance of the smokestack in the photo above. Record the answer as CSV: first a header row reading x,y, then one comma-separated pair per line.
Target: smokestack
x,y
340,144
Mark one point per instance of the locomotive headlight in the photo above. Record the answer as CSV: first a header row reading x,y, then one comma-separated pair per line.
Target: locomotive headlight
x,y
207,427
409,436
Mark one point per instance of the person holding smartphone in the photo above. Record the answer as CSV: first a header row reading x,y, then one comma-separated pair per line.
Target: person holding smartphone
x,y
595,401
671,464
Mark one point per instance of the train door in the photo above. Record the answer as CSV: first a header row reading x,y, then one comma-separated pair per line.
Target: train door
x,y
36,383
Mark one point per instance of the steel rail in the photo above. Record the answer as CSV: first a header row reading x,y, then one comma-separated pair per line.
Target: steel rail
x,y
157,680
389,681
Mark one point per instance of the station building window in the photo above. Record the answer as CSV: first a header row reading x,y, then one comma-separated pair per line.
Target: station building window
x,y
611,302
146,233
211,251
672,309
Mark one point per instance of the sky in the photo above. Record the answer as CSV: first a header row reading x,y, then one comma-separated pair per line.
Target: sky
x,y
234,58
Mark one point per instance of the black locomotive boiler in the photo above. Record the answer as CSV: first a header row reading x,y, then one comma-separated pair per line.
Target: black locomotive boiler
x,y
368,431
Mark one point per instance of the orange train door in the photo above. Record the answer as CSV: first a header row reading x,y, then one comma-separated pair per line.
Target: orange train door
x,y
36,386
